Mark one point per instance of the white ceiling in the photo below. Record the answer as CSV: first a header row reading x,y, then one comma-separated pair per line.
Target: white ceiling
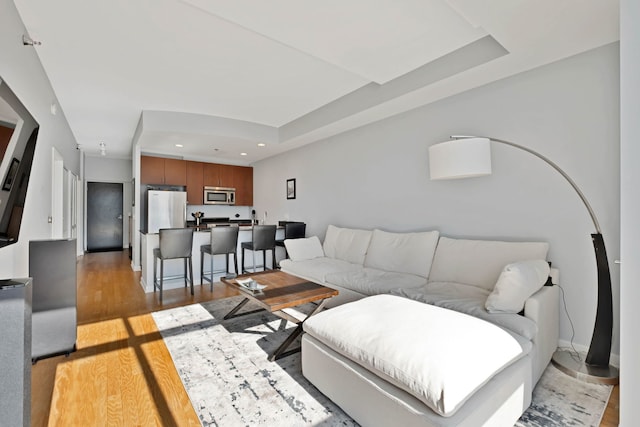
x,y
220,76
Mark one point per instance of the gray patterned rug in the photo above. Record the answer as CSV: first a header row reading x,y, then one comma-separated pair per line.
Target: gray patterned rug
x,y
224,368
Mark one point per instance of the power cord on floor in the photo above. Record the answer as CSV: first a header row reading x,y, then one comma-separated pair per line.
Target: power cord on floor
x,y
573,352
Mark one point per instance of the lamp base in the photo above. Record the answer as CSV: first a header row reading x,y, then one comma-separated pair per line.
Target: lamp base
x,y
567,363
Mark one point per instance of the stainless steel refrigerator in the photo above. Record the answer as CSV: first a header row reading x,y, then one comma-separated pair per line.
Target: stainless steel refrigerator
x,y
166,209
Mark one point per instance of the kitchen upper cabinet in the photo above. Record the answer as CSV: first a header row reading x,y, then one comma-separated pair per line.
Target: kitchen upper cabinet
x,y
158,170
243,183
217,175
211,175
226,176
195,183
197,175
151,170
175,172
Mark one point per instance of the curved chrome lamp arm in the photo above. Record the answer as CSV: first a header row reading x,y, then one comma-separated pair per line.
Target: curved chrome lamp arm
x,y
550,163
596,367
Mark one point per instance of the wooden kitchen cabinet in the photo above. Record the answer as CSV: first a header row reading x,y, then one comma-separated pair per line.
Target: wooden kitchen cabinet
x,y
151,170
175,172
243,183
195,183
225,176
158,170
197,175
211,175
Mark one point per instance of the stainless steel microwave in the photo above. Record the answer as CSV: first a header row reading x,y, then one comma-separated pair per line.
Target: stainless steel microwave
x,y
219,196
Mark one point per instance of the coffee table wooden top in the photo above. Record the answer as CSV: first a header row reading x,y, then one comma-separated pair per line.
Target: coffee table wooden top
x,y
282,290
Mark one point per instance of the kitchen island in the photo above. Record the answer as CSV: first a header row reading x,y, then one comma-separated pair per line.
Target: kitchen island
x,y
173,269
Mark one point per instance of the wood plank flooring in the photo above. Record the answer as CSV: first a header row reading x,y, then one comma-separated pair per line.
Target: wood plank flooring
x,y
122,373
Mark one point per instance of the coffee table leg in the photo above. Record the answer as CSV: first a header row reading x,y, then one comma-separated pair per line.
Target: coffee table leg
x,y
233,312
280,352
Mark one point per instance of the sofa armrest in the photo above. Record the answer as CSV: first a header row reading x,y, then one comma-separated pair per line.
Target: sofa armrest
x,y
543,308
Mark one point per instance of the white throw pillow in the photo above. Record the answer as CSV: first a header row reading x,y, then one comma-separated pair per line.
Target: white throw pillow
x,y
517,282
304,249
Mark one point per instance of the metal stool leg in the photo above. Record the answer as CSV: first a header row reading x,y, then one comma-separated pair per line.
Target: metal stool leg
x,y
161,277
155,269
190,271
201,266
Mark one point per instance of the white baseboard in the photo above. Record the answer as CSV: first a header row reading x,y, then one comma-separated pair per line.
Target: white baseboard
x,y
614,360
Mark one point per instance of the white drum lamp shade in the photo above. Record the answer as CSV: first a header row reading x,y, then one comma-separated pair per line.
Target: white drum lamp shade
x,y
461,158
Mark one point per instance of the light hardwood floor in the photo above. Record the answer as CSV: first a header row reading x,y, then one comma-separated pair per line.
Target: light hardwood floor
x,y
122,373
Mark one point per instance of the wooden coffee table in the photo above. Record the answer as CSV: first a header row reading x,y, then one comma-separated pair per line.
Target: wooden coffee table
x,y
282,291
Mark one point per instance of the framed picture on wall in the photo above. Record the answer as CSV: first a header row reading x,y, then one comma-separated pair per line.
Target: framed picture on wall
x,y
11,174
291,188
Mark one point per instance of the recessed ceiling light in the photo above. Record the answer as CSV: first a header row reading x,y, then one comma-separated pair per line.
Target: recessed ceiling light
x,y
179,145
261,144
243,154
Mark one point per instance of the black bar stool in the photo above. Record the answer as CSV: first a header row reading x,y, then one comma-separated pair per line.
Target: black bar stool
x,y
224,241
175,243
263,238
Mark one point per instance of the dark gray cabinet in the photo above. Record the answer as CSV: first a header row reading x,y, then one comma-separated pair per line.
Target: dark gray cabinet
x,y
52,266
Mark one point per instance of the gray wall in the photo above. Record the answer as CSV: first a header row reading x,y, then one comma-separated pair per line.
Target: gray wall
x,y
21,70
377,175
630,211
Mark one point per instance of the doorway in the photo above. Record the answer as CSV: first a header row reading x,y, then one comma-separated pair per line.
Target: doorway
x,y
104,216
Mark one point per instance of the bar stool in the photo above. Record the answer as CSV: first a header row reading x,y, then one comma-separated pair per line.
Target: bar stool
x,y
263,238
175,243
224,241
292,230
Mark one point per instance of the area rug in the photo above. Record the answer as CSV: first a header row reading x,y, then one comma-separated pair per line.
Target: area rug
x,y
224,368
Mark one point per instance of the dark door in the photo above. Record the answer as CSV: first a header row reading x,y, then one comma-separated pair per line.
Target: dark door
x,y
104,216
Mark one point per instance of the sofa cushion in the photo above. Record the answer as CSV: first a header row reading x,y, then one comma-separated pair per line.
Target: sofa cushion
x,y
517,282
469,300
402,252
370,281
405,343
316,269
304,249
480,262
346,244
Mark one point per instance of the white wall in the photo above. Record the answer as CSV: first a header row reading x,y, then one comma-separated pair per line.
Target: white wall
x,y
630,211
105,169
20,68
377,175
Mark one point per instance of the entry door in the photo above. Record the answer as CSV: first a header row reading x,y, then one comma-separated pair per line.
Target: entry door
x,y
104,216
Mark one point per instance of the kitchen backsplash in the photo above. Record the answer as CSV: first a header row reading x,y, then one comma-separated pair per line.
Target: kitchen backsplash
x,y
214,211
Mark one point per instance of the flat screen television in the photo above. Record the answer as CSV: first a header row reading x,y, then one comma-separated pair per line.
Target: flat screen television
x,y
18,136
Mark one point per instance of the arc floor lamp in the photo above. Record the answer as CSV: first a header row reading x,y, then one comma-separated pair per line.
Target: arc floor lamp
x,y
470,156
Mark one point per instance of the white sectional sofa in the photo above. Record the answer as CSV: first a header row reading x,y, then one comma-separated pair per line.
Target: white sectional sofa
x,y
427,330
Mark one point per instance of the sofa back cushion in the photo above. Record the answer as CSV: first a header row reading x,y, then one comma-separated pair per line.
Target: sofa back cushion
x,y
402,252
346,244
480,262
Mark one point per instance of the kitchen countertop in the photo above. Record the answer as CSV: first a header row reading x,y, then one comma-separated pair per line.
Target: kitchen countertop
x,y
204,228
